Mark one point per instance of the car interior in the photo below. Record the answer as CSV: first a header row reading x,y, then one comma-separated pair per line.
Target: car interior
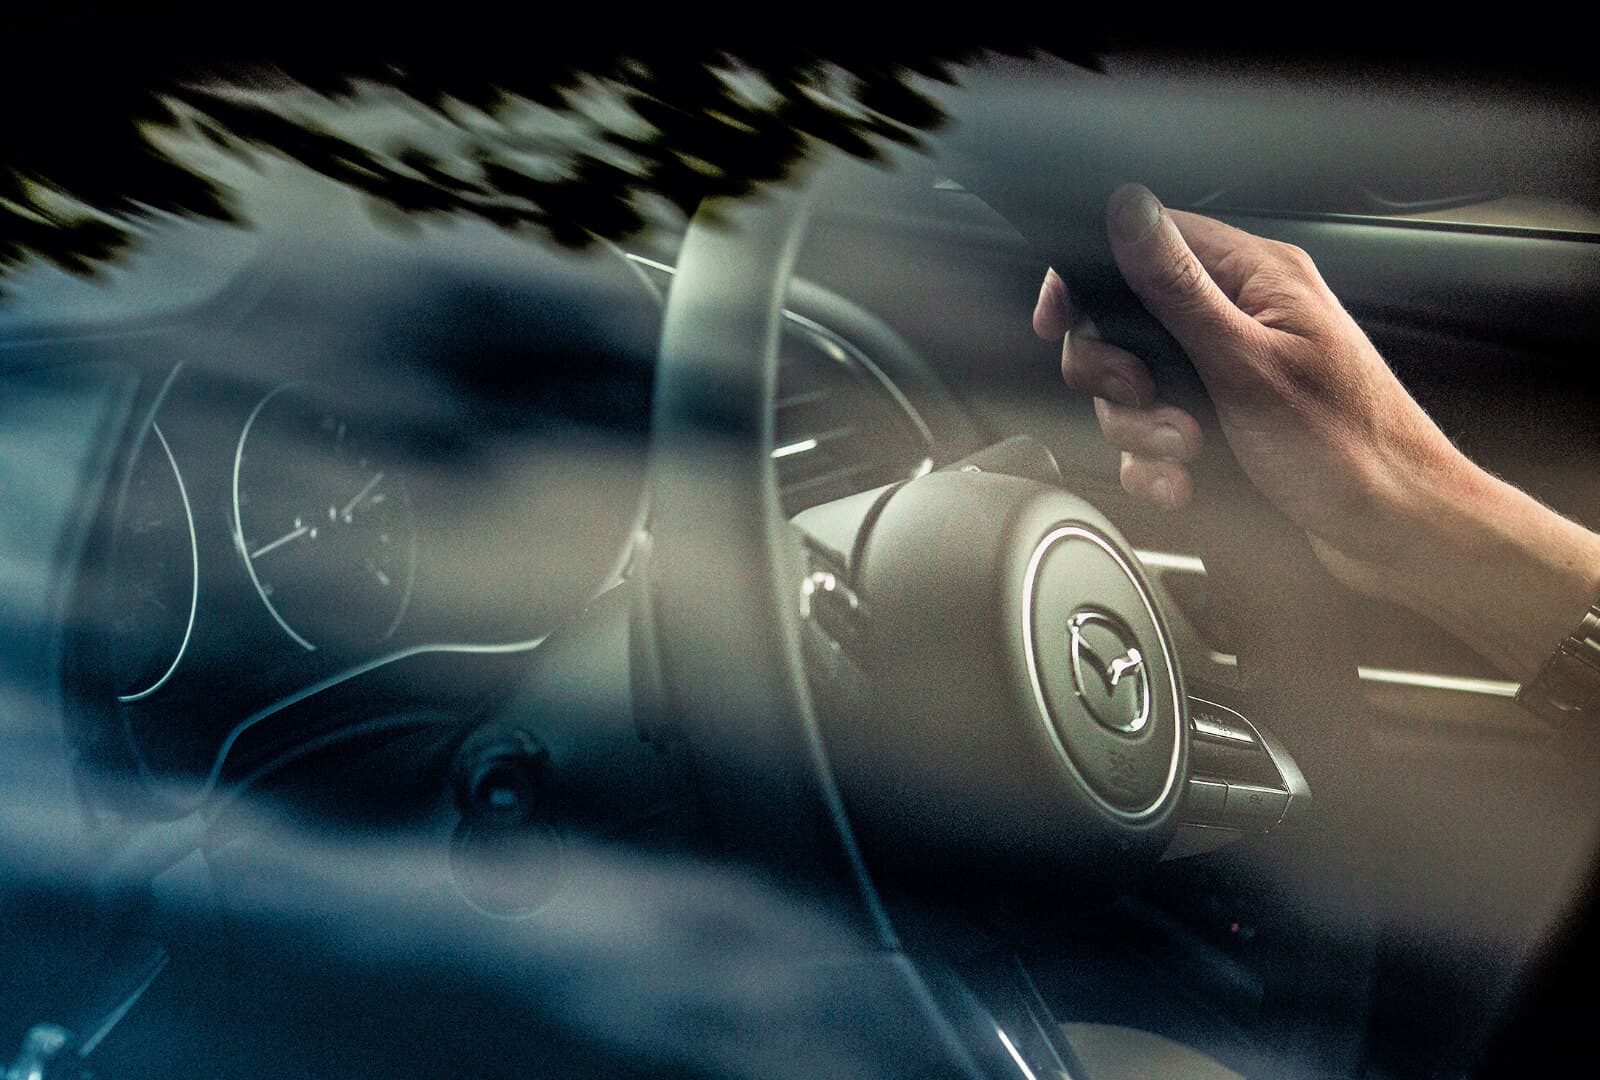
x,y
726,650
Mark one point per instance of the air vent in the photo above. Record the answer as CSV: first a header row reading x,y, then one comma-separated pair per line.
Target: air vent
x,y
841,425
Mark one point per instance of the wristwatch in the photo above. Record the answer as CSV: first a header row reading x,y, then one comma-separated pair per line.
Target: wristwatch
x,y
1568,684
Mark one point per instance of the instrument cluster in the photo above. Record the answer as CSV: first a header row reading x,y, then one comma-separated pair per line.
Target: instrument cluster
x,y
259,540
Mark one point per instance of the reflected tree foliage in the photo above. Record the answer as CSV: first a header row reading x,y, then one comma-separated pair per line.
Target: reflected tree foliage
x,y
573,130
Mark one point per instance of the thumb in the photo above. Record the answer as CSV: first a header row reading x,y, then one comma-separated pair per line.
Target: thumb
x,y
1167,276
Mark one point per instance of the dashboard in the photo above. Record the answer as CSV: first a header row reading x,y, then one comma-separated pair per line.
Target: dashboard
x,y
338,494
366,453
426,455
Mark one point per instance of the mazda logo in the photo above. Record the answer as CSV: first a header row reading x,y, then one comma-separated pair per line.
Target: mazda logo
x,y
1108,671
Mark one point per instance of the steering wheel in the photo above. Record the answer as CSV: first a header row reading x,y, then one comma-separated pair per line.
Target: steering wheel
x,y
1011,702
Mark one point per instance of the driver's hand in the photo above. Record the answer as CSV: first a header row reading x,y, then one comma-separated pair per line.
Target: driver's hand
x,y
1326,432
1316,418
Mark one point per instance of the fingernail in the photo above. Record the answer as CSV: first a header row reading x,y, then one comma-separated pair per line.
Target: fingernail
x,y
1116,388
1134,213
1163,491
1165,441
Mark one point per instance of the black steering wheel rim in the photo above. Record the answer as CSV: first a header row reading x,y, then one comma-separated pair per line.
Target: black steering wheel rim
x,y
727,630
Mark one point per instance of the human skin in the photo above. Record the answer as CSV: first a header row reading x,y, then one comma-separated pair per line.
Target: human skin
x,y
1324,429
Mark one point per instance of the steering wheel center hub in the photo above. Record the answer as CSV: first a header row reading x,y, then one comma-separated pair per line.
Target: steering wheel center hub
x,y
1027,698
1101,669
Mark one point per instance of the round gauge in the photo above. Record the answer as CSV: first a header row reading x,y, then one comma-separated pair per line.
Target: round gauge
x,y
323,523
155,571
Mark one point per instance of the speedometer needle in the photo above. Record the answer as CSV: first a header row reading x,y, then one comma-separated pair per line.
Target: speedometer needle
x,y
362,494
280,541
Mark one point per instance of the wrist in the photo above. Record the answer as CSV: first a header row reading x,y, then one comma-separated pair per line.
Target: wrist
x,y
1487,561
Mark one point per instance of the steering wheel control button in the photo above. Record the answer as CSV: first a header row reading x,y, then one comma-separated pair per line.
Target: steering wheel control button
x,y
1108,670
1204,801
833,606
1251,806
1219,724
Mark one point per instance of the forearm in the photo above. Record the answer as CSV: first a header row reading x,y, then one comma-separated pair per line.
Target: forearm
x,y
1326,432
1490,563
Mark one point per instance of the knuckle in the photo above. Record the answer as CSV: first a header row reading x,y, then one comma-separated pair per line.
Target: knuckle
x,y
1083,361
1186,430
1177,275
1298,258
1116,429
1162,483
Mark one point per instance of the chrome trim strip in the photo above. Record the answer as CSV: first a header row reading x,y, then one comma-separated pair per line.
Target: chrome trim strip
x,y
789,450
1170,561
238,522
1176,563
214,776
194,571
1420,680
654,264
1080,532
1016,1055
1427,680
113,1018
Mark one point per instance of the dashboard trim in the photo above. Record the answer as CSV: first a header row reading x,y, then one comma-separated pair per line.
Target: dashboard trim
x,y
213,777
238,522
194,573
1177,563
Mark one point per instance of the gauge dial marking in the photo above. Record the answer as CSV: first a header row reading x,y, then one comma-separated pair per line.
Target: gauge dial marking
x,y
298,531
350,506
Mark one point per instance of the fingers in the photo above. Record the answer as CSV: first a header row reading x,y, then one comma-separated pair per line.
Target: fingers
x,y
1169,278
1154,443
1184,269
1215,243
1091,366
1164,483
1162,432
1154,439
1052,315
